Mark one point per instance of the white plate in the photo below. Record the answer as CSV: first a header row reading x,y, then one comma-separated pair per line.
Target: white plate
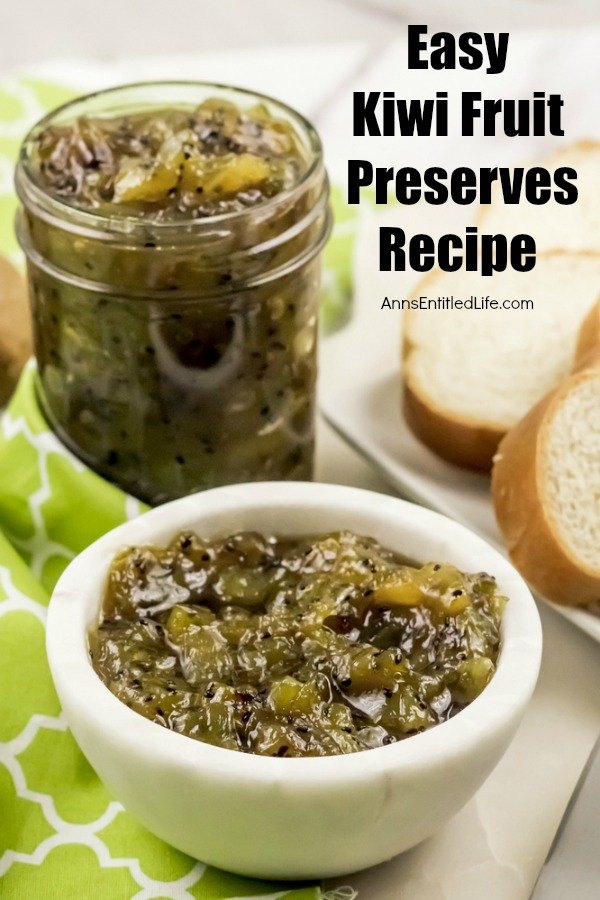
x,y
365,409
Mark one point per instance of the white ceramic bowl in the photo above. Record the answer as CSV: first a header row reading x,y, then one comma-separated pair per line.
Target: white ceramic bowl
x,y
291,818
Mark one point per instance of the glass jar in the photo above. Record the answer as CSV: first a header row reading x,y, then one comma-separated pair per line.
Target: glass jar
x,y
175,356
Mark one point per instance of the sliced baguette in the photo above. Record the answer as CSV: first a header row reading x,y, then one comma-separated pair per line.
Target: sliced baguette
x,y
554,225
587,352
546,491
470,375
15,328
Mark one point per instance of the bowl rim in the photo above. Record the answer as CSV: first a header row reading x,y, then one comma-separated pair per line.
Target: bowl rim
x,y
90,700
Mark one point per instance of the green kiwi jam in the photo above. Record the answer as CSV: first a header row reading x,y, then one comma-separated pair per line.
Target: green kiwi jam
x,y
306,646
173,235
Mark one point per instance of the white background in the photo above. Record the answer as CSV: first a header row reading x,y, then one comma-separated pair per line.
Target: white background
x,y
36,30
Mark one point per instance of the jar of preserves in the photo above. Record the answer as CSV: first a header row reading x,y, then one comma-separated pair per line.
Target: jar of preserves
x,y
173,235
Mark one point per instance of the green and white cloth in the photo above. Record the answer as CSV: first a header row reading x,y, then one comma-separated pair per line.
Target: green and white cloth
x,y
62,837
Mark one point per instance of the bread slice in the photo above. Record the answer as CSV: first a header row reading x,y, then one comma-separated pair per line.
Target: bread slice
x,y
587,352
573,227
15,328
546,490
470,375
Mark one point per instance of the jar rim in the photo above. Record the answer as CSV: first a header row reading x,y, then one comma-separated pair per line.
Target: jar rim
x,y
86,222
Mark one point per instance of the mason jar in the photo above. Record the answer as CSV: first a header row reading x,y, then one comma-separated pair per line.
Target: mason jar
x,y
174,356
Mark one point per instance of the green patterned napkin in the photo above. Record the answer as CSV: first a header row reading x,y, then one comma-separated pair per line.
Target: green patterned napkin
x,y
62,837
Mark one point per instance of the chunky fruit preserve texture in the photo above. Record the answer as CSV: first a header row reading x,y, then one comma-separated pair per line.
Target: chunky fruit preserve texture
x,y
170,164
178,361
308,646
